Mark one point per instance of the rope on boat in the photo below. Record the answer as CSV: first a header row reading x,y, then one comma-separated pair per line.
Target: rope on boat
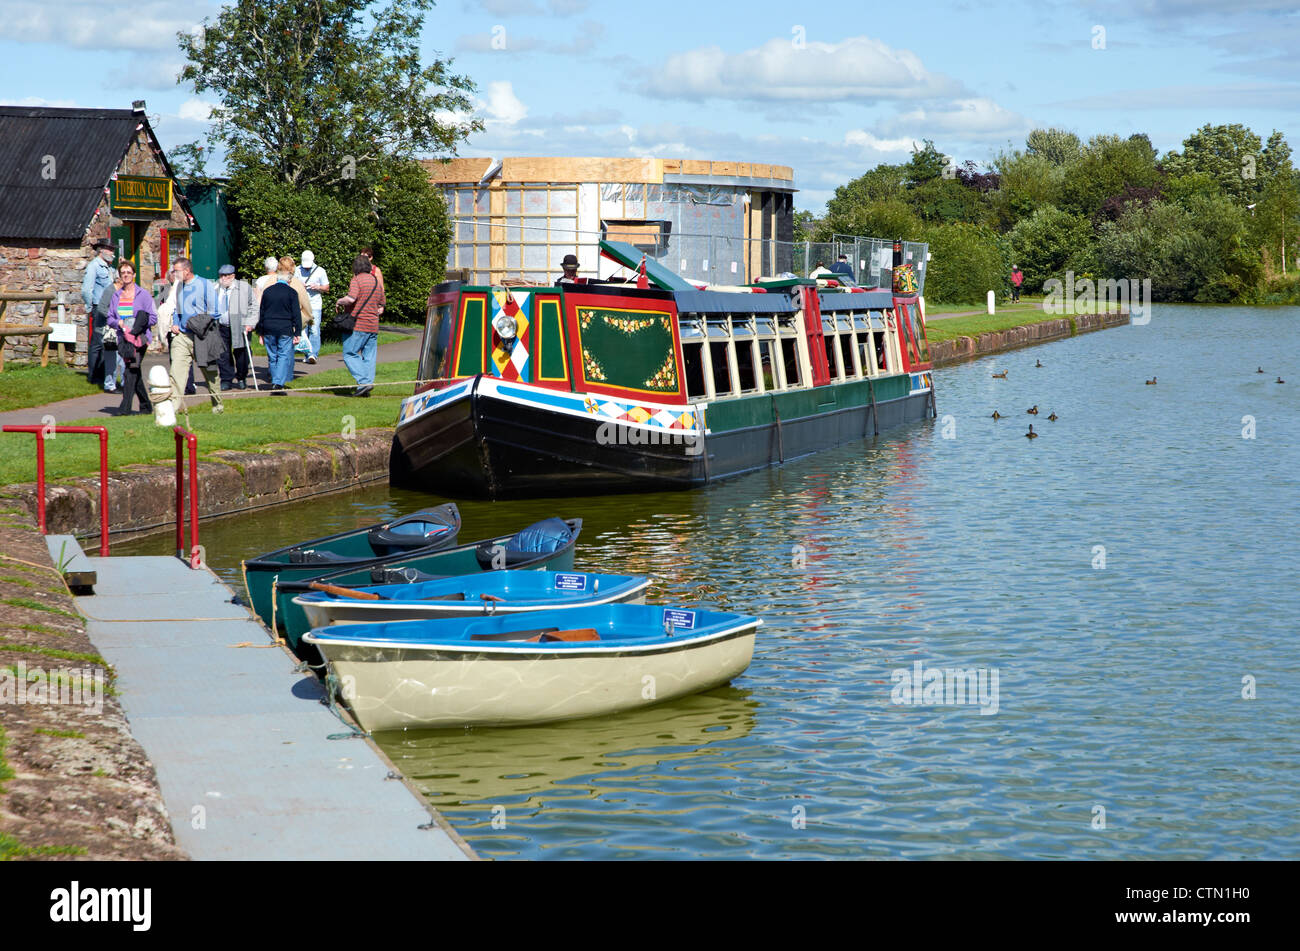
x,y
187,401
331,686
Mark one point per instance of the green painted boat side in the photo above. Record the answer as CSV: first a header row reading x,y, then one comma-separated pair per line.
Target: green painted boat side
x,y
760,409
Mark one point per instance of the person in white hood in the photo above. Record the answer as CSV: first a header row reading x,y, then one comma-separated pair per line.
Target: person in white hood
x,y
317,282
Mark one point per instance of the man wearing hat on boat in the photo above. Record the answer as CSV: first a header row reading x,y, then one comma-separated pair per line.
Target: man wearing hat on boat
x,y
570,275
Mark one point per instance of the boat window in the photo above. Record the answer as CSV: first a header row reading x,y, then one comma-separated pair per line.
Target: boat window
x,y
437,331
846,354
745,366
861,322
790,360
829,340
882,355
742,325
718,328
767,351
721,367
766,326
866,355
693,370
691,328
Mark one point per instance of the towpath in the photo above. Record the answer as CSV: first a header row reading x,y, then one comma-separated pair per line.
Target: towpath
x,y
99,403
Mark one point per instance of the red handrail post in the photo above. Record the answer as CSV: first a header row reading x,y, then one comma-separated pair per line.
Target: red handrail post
x,y
43,432
195,558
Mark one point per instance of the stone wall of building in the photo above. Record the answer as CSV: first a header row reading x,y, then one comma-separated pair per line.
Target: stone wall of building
x,y
60,266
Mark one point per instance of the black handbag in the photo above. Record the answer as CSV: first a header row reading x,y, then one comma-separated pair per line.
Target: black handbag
x,y
347,320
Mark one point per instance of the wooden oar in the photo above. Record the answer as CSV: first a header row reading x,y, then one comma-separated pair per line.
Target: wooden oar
x,y
541,634
346,592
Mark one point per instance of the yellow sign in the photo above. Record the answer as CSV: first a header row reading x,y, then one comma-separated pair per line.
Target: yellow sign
x,y
137,193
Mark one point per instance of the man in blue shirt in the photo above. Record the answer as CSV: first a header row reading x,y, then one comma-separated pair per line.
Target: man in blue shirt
x,y
842,266
196,298
101,364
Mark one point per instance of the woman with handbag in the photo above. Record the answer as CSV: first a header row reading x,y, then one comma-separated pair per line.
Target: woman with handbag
x,y
361,308
132,314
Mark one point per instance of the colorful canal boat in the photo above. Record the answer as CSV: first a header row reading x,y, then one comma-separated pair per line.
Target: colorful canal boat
x,y
481,595
547,545
531,668
653,384
424,531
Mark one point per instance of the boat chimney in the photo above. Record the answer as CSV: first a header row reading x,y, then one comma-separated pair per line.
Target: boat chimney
x,y
898,252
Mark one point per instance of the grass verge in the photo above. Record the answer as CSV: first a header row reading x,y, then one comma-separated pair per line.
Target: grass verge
x,y
387,378
335,346
248,424
33,385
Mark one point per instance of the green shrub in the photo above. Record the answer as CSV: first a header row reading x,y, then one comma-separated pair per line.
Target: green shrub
x,y
966,262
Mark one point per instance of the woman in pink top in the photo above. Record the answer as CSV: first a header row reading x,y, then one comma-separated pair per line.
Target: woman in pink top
x,y
365,302
132,312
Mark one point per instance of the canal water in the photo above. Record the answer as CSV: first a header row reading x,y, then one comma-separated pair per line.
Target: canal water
x,y
1129,577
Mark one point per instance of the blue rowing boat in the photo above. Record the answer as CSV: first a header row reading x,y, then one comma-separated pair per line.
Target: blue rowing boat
x,y
531,668
480,595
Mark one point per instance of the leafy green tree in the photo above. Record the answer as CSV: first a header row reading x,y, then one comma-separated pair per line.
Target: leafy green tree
x,y
1048,243
927,163
947,200
1277,218
1057,146
315,89
1107,167
1230,154
414,235
1026,182
891,218
967,261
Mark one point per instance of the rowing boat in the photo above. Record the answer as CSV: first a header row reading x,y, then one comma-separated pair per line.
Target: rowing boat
x,y
493,592
524,669
427,530
547,544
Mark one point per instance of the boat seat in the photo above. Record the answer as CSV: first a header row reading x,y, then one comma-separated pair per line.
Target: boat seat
x,y
545,537
401,576
314,557
543,634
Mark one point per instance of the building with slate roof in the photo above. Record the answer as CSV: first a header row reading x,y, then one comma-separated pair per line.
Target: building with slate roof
x,y
69,177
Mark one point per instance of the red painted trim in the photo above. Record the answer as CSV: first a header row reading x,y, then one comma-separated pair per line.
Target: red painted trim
x,y
573,299
811,305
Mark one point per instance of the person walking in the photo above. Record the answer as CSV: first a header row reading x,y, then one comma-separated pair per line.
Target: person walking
x,y
1017,278
317,282
364,303
842,266
235,318
279,323
195,339
299,288
133,314
374,268
101,365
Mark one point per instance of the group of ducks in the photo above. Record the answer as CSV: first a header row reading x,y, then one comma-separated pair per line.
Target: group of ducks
x,y
1278,380
1033,410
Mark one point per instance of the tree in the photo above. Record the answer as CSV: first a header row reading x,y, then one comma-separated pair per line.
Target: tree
x,y
967,261
414,235
927,163
1048,243
946,200
1107,167
312,93
1055,145
1026,182
1275,216
887,219
1230,154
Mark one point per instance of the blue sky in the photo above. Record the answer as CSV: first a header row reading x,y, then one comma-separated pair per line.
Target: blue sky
x,y
831,89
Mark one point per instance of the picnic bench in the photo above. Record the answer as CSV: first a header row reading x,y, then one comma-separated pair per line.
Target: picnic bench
x,y
43,329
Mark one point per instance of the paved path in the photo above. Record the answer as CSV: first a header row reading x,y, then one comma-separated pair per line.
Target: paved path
x,y
99,403
239,740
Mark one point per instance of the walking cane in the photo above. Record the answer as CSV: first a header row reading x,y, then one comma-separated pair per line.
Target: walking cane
x,y
248,348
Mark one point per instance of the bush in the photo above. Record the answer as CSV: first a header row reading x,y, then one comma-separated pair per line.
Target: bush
x,y
966,262
414,235
1048,243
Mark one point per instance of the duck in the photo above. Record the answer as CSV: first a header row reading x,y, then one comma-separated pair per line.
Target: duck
x,y
1280,380
1151,382
1038,363
1031,434
1000,376
1033,410
1260,370
997,415
1053,418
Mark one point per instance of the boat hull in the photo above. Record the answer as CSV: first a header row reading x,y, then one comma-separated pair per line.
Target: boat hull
x,y
486,441
407,688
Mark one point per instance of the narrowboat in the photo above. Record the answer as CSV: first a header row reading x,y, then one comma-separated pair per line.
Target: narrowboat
x,y
514,670
653,383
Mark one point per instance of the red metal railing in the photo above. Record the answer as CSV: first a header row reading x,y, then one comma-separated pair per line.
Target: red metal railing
x,y
41,433
195,558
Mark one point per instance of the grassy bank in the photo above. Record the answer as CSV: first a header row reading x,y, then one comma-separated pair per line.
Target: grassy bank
x,y
334,346
23,385
249,424
948,328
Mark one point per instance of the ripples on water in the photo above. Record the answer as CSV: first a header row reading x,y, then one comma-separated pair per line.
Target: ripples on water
x,y
1119,687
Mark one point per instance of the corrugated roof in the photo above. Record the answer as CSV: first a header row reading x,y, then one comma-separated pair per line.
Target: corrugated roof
x,y
54,199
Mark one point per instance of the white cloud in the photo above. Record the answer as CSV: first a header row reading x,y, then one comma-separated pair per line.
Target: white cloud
x,y
97,24
857,69
963,118
502,106
148,72
862,139
195,110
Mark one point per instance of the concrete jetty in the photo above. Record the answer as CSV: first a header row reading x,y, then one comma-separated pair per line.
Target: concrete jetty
x,y
240,741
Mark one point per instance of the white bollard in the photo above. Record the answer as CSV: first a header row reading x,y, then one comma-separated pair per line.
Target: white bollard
x,y
992,299
160,393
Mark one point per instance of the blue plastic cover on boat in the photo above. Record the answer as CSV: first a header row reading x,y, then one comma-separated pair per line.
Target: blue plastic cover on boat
x,y
722,302
544,537
871,300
